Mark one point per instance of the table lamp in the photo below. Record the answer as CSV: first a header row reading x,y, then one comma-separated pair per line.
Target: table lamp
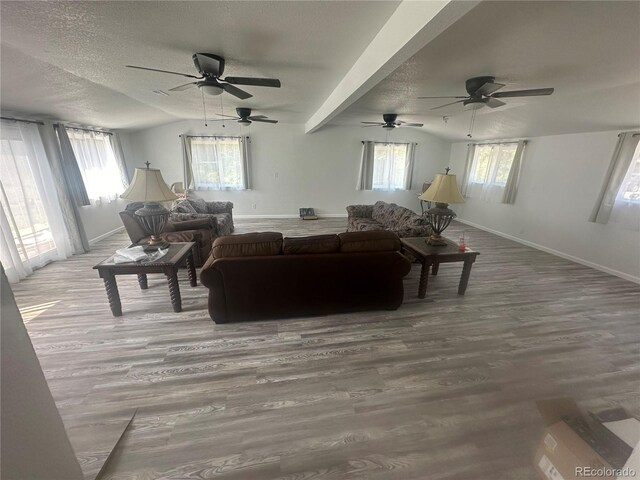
x,y
149,187
443,191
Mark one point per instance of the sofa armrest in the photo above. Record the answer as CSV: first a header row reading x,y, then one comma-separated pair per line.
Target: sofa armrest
x,y
182,217
194,224
183,236
360,211
219,207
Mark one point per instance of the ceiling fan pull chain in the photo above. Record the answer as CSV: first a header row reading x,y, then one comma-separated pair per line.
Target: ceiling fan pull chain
x,y
473,121
222,112
204,109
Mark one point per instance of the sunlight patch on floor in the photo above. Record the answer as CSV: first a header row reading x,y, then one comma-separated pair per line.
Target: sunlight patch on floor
x,y
29,313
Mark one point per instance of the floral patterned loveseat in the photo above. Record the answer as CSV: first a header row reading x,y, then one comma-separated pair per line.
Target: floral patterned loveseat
x,y
387,216
219,213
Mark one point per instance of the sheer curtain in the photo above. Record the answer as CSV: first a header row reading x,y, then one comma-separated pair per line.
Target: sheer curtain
x,y
33,226
386,166
217,163
103,179
491,172
619,198
626,206
365,176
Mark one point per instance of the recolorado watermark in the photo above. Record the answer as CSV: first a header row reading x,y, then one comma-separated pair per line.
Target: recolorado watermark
x,y
605,472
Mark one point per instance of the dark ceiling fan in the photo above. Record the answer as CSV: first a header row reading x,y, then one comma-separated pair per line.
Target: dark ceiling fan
x,y
484,91
210,81
245,118
389,122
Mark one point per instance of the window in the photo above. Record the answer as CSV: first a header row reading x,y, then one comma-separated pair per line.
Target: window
x,y
21,199
98,164
630,187
492,163
390,164
386,166
218,163
490,171
619,198
33,230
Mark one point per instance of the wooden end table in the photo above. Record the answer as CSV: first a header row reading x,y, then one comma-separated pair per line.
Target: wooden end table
x,y
431,256
179,253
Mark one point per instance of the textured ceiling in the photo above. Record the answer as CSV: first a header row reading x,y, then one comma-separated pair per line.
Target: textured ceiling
x,y
588,51
65,60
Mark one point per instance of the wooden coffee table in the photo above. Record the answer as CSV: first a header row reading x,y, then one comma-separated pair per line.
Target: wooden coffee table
x,y
432,256
179,253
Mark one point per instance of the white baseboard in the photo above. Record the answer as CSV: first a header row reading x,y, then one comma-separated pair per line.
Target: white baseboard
x,y
264,216
105,235
320,215
557,253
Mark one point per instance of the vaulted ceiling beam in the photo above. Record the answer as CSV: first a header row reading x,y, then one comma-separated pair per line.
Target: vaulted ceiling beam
x,y
411,26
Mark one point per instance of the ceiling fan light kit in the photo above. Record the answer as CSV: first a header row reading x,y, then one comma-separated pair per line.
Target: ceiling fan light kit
x,y
212,90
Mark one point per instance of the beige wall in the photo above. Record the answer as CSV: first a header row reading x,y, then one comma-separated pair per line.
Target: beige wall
x,y
291,169
560,180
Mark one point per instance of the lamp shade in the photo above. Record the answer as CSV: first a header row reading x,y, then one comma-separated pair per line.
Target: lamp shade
x,y
148,186
443,189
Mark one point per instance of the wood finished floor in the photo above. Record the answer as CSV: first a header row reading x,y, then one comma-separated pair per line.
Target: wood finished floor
x,y
442,388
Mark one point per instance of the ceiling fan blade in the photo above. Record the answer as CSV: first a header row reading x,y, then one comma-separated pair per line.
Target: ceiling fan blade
x,y
494,102
235,91
376,125
228,116
163,71
447,104
252,117
524,93
404,124
489,87
443,97
264,120
258,82
182,87
373,123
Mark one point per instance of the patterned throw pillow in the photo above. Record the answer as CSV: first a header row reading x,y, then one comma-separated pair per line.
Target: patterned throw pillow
x,y
199,205
185,207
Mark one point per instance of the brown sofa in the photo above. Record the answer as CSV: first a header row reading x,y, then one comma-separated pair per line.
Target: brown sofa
x,y
387,216
197,230
220,214
261,275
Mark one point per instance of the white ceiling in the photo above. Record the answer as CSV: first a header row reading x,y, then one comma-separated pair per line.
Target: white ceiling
x,y
65,60
588,51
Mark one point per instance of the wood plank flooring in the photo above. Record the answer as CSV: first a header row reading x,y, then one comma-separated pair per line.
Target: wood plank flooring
x,y
442,388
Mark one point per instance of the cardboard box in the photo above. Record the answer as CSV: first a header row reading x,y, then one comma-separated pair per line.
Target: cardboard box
x,y
578,446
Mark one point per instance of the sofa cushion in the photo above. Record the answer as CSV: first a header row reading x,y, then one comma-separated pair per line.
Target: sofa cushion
x,y
199,205
184,206
312,244
248,245
371,241
380,211
365,224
